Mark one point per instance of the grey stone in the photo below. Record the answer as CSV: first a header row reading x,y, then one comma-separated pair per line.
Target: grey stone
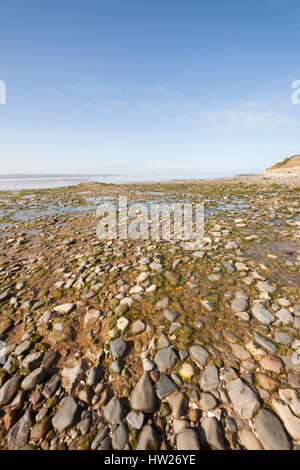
x,y
23,347
67,414
51,386
188,439
207,401
171,315
262,315
239,305
165,359
283,338
199,353
264,342
10,389
118,348
212,433
135,419
148,439
210,378
119,437
33,379
114,411
245,401
94,376
165,387
143,397
270,431
19,434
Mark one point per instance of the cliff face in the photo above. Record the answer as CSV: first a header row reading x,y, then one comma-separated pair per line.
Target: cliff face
x,y
291,162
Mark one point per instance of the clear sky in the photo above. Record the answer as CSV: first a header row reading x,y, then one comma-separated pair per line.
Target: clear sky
x,y
110,85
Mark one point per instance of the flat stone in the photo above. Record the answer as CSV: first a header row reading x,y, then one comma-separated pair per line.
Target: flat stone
x,y
249,440
138,327
210,378
239,305
33,360
67,414
33,379
212,433
284,316
64,308
148,439
265,287
23,347
199,353
264,342
143,397
283,338
290,421
290,397
135,419
114,411
245,401
272,363
207,401
171,315
165,386
240,352
10,389
270,431
266,382
119,437
188,439
165,359
179,404
262,315
18,435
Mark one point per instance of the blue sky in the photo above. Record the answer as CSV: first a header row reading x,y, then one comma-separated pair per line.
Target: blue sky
x,y
131,85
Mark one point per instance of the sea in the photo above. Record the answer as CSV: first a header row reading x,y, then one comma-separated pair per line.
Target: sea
x,y
11,182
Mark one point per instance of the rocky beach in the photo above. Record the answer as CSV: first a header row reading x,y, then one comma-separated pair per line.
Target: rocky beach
x,y
141,344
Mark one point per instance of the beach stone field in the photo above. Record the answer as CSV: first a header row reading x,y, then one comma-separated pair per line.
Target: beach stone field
x,y
142,344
